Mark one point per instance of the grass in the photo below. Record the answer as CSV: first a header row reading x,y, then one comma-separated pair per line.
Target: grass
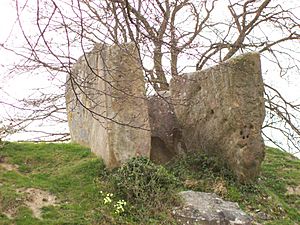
x,y
66,170
266,200
83,186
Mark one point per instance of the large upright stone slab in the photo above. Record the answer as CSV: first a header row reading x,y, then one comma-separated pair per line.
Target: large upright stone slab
x,y
166,137
107,106
221,111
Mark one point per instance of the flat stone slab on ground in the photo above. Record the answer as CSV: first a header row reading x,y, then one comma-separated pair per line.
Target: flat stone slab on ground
x,y
208,208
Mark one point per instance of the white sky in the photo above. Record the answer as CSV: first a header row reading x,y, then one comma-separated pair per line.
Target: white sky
x,y
18,86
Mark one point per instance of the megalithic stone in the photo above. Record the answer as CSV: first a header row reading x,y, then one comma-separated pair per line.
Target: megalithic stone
x,y
107,106
221,110
166,137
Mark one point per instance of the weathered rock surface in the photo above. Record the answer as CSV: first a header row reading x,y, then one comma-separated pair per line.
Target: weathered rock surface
x,y
221,111
166,137
207,208
107,106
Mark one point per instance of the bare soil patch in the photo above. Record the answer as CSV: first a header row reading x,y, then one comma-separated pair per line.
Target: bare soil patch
x,y
293,190
10,213
36,199
7,166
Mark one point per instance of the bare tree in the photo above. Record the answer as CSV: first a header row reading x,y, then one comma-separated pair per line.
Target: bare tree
x,y
173,36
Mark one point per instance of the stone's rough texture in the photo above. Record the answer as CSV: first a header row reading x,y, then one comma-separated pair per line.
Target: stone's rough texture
x,y
208,208
109,82
166,138
79,118
221,111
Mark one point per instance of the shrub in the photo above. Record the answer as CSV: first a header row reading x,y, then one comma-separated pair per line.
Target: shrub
x,y
140,181
199,166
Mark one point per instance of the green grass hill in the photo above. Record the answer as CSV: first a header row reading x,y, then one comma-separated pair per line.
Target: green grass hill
x,y
66,184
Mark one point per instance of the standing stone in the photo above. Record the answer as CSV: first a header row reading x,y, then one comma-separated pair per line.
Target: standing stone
x,y
221,111
107,106
166,137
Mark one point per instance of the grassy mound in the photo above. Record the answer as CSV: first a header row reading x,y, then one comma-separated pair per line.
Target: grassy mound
x,y
140,192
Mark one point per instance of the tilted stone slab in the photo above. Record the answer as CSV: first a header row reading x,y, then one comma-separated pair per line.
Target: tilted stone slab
x,y
166,137
107,106
221,111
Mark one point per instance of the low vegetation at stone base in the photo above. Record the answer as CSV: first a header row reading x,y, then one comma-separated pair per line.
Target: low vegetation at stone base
x,y
141,182
139,192
268,200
